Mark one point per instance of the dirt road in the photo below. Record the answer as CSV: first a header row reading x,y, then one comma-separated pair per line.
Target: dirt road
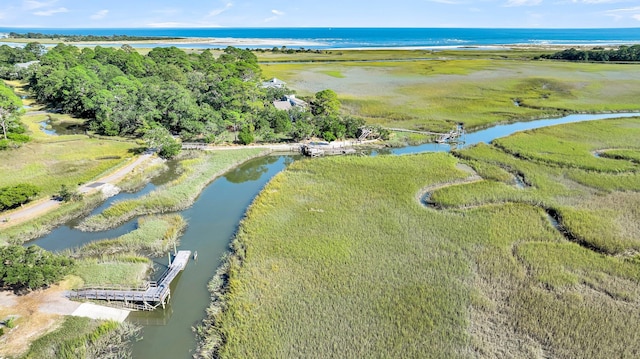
x,y
42,206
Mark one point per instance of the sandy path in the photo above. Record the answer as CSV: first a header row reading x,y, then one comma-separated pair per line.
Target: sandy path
x,y
42,311
42,206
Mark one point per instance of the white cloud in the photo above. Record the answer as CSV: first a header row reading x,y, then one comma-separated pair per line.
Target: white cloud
x,y
625,10
523,2
51,11
219,11
100,15
32,4
276,15
618,14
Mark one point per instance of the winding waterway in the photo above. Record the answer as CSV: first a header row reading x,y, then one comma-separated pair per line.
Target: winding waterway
x,y
213,219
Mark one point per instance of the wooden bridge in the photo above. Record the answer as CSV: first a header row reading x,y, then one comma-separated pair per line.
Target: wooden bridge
x,y
148,297
451,136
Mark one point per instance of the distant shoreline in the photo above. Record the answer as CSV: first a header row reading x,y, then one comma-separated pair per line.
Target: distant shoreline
x,y
210,43
332,38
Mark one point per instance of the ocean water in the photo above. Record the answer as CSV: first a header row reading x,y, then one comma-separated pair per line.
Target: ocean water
x,y
342,38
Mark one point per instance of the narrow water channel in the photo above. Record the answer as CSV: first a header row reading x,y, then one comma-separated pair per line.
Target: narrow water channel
x,y
212,221
65,236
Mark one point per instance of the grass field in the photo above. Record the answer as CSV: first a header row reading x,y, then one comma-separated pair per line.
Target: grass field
x,y
50,161
336,258
437,90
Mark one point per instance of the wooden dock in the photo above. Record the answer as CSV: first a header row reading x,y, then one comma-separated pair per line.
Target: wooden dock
x,y
451,136
148,297
319,151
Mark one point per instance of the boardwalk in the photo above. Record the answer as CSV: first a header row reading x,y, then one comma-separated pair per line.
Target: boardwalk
x,y
148,297
440,137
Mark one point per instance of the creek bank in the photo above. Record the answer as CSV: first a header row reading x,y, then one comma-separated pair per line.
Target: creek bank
x,y
205,225
210,337
174,196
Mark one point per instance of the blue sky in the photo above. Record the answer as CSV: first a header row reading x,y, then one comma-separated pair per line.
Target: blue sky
x,y
320,13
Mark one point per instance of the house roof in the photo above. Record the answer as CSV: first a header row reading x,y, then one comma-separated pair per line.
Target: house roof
x,y
295,101
273,83
25,65
282,105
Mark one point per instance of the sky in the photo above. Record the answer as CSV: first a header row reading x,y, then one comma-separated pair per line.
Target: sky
x,y
320,13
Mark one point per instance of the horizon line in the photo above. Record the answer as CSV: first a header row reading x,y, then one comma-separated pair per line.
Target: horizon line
x,y
320,27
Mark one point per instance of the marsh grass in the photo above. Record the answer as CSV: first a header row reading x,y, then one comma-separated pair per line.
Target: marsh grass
x,y
137,180
44,223
176,195
124,260
474,88
395,55
154,236
336,258
123,270
574,146
623,154
80,337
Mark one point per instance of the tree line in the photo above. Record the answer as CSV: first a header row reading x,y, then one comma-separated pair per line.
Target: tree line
x,y
599,54
85,38
168,92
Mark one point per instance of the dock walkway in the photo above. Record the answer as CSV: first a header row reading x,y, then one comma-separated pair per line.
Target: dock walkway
x,y
148,297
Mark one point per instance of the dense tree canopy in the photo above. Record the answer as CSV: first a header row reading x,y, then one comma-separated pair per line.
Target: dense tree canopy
x,y
196,96
14,196
31,267
10,110
325,102
622,54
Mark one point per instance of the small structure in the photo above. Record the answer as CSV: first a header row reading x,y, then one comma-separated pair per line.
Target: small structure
x,y
311,150
274,83
26,65
288,102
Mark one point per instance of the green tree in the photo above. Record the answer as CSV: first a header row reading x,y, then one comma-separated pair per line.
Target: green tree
x,y
35,50
281,122
302,130
159,139
325,102
13,196
31,267
245,136
10,109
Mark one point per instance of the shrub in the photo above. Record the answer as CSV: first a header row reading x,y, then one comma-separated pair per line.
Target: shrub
x,y
245,136
31,267
14,196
